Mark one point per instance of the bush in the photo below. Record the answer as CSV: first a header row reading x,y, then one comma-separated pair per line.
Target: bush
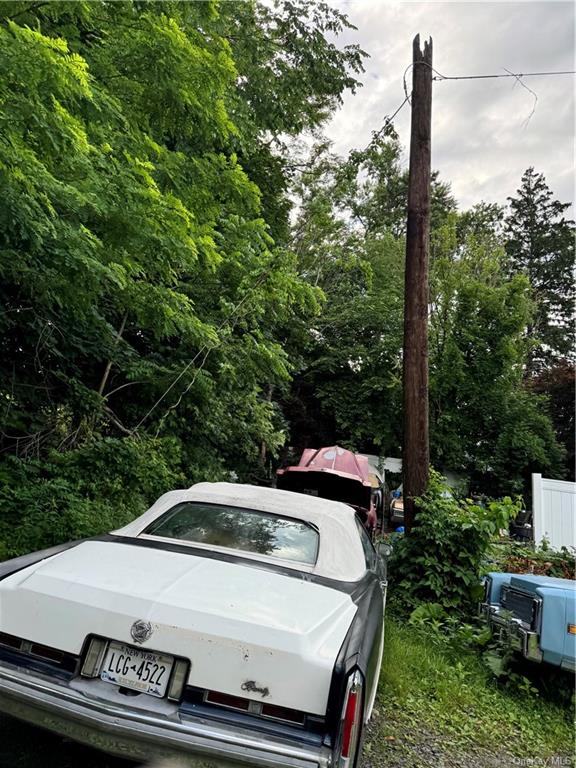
x,y
515,557
441,560
84,492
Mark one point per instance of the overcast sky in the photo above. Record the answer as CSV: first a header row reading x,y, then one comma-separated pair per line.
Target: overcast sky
x,y
480,141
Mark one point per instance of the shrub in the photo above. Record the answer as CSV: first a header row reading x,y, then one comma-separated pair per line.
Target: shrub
x,y
516,557
83,492
441,560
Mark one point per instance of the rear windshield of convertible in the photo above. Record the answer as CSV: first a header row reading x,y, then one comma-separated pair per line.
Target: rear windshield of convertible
x,y
247,530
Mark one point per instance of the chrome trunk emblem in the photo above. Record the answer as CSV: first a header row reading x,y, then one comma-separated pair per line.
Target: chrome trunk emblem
x,y
141,631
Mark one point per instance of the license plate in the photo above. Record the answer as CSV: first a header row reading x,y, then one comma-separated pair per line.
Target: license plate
x,y
136,668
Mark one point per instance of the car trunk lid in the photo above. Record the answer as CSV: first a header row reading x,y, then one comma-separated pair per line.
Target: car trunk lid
x,y
244,629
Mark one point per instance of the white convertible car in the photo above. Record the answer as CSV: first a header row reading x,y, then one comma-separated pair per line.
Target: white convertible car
x,y
228,624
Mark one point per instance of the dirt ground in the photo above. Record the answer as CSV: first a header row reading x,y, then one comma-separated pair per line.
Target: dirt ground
x,y
421,748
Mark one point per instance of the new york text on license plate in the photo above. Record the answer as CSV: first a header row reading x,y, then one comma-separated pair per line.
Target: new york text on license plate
x,y
137,668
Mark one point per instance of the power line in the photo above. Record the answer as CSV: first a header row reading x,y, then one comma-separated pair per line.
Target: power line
x,y
534,94
516,75
388,121
440,76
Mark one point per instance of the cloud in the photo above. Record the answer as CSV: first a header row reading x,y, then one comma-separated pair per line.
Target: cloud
x,y
481,142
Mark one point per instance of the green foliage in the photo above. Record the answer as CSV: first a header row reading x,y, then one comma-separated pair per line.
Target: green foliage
x,y
140,287
446,628
291,78
432,613
469,642
524,678
442,559
435,579
351,361
150,283
483,420
80,493
557,383
511,556
108,218
540,244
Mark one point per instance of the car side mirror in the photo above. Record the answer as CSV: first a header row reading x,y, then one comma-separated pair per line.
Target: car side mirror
x,y
384,549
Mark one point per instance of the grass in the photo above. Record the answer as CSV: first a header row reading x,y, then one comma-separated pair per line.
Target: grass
x,y
427,690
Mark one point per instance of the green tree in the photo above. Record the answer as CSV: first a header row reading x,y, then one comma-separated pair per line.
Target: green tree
x,y
349,238
483,421
540,244
113,218
348,384
291,77
558,384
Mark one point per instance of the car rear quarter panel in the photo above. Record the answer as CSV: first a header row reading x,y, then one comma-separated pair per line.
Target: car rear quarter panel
x,y
361,646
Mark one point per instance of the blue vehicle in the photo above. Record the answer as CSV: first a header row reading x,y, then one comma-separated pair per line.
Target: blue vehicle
x,y
535,614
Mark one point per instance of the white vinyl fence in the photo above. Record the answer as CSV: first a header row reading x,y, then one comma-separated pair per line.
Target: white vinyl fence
x,y
554,511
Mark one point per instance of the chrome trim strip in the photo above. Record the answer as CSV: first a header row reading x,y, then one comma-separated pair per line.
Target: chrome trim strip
x,y
537,614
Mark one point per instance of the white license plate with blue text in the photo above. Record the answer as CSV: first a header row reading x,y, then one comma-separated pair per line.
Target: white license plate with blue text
x,y
137,668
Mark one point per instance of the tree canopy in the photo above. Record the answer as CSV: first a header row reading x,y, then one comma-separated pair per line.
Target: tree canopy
x,y
134,236
349,237
145,279
540,244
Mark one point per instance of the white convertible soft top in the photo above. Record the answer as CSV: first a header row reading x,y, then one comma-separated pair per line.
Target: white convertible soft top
x,y
340,554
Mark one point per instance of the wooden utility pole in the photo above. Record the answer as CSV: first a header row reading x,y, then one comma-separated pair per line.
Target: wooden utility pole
x,y
416,453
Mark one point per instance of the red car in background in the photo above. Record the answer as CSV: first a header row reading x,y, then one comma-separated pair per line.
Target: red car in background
x,y
333,473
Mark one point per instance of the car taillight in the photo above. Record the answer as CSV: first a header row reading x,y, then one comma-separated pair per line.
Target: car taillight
x,y
283,713
351,722
44,652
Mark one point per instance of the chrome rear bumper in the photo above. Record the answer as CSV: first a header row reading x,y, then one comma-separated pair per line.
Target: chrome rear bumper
x,y
139,735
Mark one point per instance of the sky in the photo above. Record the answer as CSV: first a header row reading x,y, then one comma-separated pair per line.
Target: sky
x,y
482,140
